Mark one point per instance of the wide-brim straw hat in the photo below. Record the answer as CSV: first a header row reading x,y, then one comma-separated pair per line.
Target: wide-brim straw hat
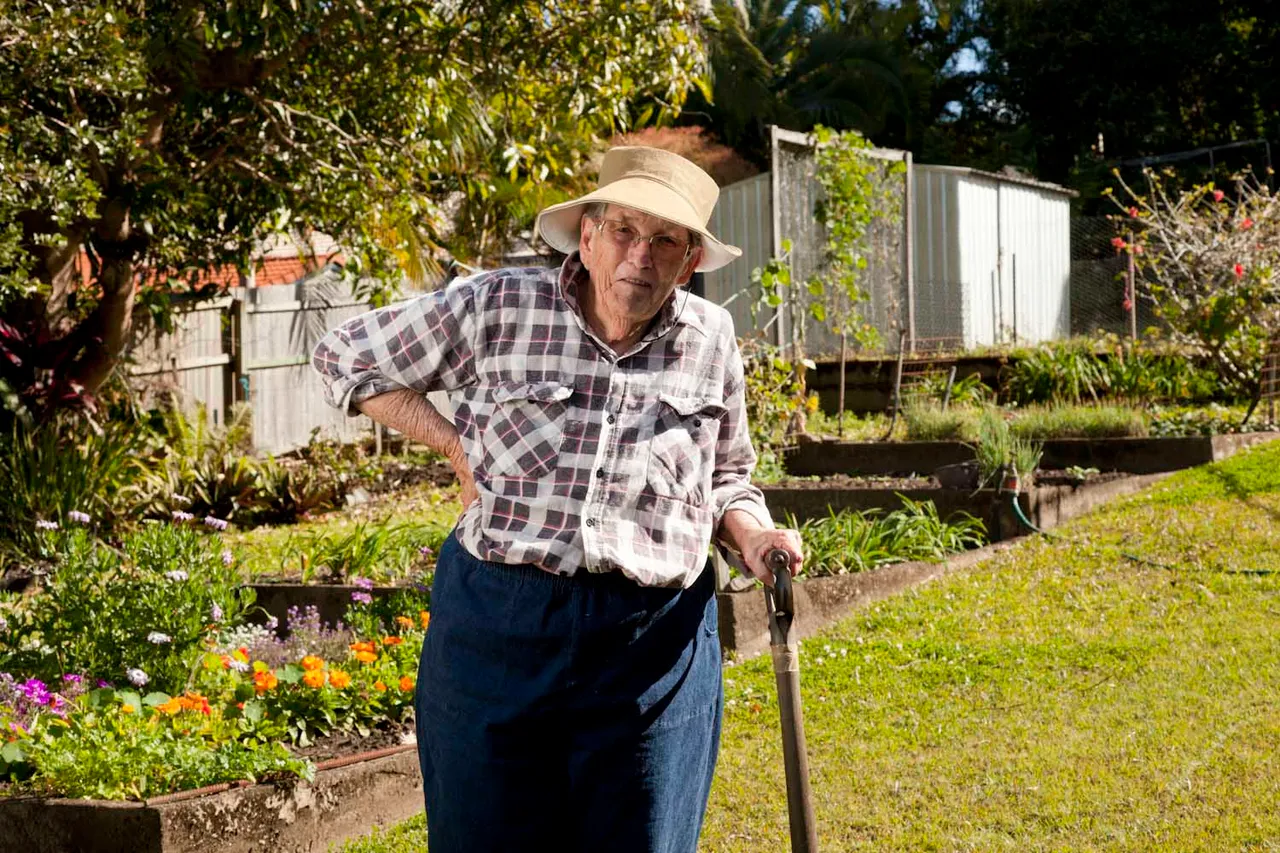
x,y
652,181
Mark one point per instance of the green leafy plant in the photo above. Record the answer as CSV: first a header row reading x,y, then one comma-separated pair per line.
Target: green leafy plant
x,y
1060,421
999,452
776,401
928,421
378,550
140,612
1065,371
853,541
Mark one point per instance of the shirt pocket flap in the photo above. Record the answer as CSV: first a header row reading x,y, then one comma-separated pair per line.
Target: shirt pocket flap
x,y
541,392
690,406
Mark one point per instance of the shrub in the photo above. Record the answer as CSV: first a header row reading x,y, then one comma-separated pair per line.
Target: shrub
x,y
382,550
1214,419
998,450
930,422
139,613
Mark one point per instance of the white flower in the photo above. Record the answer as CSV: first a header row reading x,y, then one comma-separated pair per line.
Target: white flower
x,y
176,575
227,557
77,515
179,515
158,639
136,677
239,665
4,624
182,499
41,524
215,613
215,523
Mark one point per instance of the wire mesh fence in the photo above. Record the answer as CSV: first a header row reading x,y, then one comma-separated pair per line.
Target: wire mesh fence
x,y
1102,296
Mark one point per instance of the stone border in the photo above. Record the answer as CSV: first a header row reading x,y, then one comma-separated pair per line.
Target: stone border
x,y
1131,455
349,797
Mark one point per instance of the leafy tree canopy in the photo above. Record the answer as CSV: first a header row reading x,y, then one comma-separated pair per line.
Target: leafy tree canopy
x,y
172,137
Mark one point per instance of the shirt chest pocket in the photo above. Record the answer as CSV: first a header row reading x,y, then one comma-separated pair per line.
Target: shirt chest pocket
x,y
682,448
525,429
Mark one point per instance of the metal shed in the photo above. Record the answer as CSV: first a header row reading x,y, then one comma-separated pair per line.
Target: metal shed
x,y
992,258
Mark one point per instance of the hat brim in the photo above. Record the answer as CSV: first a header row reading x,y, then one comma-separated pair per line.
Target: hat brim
x,y
560,224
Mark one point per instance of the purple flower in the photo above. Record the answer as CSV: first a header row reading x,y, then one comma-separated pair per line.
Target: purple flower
x,y
179,516
136,677
41,524
17,729
215,523
363,583
238,665
215,613
72,678
35,690
426,551
102,683
227,557
77,515
362,598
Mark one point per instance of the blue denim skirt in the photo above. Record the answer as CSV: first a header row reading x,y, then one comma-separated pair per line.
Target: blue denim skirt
x,y
566,713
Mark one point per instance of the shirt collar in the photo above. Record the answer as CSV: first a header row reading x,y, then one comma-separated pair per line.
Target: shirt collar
x,y
676,310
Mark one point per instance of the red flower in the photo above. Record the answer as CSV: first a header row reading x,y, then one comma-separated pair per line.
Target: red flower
x,y
1137,249
1239,271
1128,304
1118,242
1217,195
1246,224
1133,211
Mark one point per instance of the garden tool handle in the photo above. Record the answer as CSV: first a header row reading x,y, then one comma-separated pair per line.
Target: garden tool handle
x,y
779,562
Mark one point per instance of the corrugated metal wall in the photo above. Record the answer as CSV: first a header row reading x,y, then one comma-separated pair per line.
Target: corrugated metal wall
x,y
742,218
992,259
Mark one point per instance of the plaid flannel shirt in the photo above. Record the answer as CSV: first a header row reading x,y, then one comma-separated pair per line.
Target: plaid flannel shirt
x,y
583,459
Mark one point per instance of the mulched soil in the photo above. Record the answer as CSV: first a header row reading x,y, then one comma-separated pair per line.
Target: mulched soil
x,y
402,475
1044,477
342,745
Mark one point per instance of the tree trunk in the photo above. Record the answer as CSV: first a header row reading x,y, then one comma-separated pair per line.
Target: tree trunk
x,y
106,331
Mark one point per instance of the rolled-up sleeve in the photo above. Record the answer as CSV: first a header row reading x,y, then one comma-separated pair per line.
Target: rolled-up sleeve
x,y
425,345
731,486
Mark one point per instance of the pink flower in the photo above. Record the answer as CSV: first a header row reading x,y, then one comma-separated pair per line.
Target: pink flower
x,y
1117,242
1246,224
1217,195
1128,304
1137,249
1238,270
1133,211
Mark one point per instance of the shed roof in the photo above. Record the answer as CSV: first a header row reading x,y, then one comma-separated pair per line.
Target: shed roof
x,y
1001,177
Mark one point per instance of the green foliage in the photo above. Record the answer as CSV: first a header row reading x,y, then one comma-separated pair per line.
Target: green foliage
x,y
62,466
377,550
1067,372
1214,419
850,541
999,451
857,191
165,141
930,422
1042,422
147,606
775,400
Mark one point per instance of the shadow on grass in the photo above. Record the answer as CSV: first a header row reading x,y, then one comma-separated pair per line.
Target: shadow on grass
x,y
1238,488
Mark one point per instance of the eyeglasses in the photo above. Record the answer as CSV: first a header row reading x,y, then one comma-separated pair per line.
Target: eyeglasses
x,y
664,248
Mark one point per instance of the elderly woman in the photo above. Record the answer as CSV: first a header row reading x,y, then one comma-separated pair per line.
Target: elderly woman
x,y
569,695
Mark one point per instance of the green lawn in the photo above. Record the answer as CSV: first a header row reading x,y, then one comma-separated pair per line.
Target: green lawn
x,y
1057,697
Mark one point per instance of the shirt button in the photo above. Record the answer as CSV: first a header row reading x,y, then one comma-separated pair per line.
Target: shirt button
x,y
611,419
600,473
697,422
591,522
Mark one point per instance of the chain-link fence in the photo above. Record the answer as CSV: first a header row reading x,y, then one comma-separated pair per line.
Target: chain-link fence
x,y
1101,298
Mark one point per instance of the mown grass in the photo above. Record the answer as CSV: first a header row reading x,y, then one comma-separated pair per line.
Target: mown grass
x,y
1059,696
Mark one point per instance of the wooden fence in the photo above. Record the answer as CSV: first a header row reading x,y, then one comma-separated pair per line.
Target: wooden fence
x,y
253,346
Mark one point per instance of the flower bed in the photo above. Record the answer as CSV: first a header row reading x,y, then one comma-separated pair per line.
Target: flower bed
x,y
131,672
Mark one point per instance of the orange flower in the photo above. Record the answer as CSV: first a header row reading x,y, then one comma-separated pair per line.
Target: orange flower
x,y
311,663
314,678
226,661
338,678
404,621
126,709
264,681
406,683
378,685
172,707
363,647
425,618
366,657
241,654
195,702
392,641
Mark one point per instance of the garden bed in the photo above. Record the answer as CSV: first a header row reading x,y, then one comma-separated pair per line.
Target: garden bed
x,y
350,795
1045,505
1131,455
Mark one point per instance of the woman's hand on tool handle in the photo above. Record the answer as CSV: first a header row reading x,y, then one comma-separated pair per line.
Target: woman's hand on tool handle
x,y
753,541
